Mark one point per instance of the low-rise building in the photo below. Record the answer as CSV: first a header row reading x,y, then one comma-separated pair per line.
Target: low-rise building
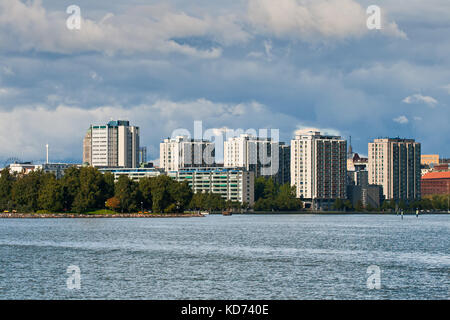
x,y
133,173
436,182
233,184
427,159
369,195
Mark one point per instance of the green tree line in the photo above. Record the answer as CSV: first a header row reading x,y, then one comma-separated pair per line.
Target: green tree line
x,y
86,189
272,196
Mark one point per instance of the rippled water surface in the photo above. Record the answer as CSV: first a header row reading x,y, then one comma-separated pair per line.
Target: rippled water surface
x,y
235,257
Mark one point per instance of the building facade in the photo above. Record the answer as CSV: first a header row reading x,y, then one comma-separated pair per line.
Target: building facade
x,y
183,152
133,173
434,183
427,159
115,144
263,156
395,165
233,184
319,168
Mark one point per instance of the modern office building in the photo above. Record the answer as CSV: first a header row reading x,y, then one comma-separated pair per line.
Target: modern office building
x,y
133,173
183,152
263,156
115,144
394,164
233,184
319,168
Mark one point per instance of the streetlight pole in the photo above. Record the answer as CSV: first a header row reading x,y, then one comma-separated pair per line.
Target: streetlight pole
x,y
142,207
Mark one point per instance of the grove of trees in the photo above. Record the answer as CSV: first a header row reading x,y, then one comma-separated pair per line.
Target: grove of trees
x,y
86,189
271,196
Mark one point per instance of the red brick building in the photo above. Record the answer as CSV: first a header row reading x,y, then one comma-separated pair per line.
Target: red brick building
x,y
436,183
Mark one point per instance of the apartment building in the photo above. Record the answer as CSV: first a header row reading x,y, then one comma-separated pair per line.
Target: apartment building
x,y
394,164
183,152
263,156
115,144
233,184
319,168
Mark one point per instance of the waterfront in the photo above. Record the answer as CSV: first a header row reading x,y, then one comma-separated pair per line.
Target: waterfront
x,y
238,257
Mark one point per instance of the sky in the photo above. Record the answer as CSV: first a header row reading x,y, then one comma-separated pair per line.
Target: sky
x,y
237,64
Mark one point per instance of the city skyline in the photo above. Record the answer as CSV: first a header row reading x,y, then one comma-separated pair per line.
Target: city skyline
x,y
223,64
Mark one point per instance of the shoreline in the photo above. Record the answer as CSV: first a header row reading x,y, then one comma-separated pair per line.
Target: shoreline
x,y
87,216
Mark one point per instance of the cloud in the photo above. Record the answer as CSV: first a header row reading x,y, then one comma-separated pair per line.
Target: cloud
x,y
309,19
418,98
446,88
148,28
401,120
64,127
326,131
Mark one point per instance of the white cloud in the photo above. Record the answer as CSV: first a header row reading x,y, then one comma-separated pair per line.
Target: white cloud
x,y
305,129
24,131
447,88
401,120
140,29
309,19
418,98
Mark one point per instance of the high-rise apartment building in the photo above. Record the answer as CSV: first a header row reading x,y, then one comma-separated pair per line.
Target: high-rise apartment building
x,y
183,152
284,167
395,164
115,144
319,168
263,156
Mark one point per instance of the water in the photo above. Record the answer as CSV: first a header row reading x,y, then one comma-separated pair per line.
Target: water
x,y
236,257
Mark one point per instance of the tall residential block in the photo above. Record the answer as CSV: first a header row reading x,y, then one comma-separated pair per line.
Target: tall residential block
x,y
394,163
263,156
183,152
319,168
115,144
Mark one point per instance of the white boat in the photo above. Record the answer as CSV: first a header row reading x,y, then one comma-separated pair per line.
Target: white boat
x,y
205,213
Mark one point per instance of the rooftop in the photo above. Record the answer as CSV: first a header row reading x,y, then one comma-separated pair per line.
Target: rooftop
x,y
437,175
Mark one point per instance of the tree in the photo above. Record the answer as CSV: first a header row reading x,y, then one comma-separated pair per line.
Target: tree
x,y
161,196
25,191
348,205
338,204
91,193
70,183
51,194
359,207
6,184
286,199
181,195
113,203
145,189
127,192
